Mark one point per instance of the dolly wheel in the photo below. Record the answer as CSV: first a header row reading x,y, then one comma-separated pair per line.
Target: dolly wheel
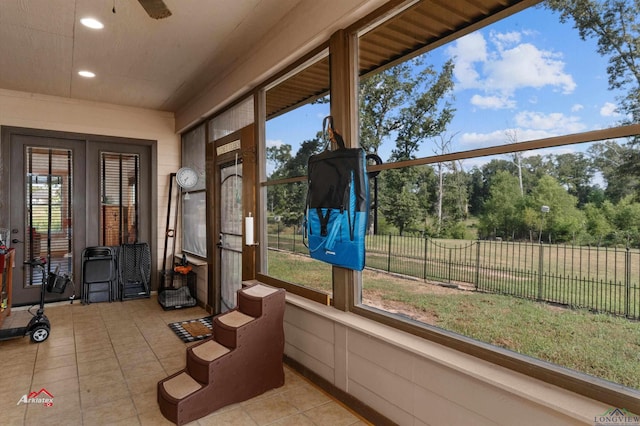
x,y
40,333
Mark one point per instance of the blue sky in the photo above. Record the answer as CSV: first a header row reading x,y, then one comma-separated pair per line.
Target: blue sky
x,y
528,76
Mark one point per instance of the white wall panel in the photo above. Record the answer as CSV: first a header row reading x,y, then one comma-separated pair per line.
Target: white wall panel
x,y
412,381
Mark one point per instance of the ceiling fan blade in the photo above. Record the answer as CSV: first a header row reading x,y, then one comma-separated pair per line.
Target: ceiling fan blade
x,y
155,8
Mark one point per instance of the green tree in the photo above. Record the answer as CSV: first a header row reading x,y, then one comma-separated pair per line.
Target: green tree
x,y
611,159
287,201
399,201
575,172
501,216
597,225
408,103
564,220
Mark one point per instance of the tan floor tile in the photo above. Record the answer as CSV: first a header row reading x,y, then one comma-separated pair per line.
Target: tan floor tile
x,y
93,337
46,377
174,363
295,420
47,363
146,402
132,359
64,387
305,396
267,410
16,372
131,421
9,397
95,346
53,351
128,341
14,415
61,405
141,369
96,380
90,368
96,355
109,412
58,339
331,413
235,417
157,419
144,384
169,350
104,394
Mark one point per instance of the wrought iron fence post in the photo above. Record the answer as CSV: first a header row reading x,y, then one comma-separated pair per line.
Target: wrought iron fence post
x,y
478,265
389,256
424,265
540,269
449,269
627,282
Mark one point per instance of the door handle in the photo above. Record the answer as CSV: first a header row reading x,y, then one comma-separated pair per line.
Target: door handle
x,y
16,241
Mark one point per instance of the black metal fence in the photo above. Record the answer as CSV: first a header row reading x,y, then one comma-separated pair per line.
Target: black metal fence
x,y
600,279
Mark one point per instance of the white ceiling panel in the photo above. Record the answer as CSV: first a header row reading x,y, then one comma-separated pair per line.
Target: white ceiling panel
x,y
138,61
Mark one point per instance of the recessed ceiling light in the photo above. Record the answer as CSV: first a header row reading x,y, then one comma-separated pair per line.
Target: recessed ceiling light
x,y
92,23
87,74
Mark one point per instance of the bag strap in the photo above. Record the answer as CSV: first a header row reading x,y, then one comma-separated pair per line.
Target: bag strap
x,y
330,134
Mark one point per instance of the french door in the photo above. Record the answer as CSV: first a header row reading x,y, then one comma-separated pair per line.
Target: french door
x,y
46,212
67,192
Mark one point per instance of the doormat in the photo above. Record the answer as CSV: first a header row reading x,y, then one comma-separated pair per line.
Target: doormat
x,y
193,330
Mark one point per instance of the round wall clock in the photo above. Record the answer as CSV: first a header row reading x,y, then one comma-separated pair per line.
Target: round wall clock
x,y
186,177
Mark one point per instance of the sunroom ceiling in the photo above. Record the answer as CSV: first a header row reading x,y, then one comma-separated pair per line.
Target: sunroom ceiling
x,y
419,28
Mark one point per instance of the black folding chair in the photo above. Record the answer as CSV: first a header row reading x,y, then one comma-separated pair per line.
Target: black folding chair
x,y
99,274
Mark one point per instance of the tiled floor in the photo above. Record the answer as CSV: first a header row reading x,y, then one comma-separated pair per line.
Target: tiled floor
x,y
102,363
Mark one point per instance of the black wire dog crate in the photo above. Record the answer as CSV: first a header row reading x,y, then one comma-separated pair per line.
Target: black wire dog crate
x,y
178,290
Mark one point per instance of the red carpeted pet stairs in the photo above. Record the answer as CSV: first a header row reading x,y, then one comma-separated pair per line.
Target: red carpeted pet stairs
x,y
242,359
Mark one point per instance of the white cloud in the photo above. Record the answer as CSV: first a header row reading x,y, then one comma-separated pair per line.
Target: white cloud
x,y
502,40
577,107
526,66
499,137
492,102
507,67
609,110
468,50
531,125
274,142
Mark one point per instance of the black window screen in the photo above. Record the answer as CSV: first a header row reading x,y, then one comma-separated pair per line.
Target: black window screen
x,y
119,185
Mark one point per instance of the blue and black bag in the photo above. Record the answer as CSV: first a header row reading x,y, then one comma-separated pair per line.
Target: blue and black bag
x,y
337,208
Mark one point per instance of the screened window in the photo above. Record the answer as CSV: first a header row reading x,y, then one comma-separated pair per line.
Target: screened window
x,y
119,185
485,245
194,219
296,107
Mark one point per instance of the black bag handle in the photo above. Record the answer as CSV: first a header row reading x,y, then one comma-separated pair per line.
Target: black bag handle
x,y
330,134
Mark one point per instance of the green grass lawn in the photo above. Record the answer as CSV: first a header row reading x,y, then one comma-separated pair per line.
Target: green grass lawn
x,y
600,345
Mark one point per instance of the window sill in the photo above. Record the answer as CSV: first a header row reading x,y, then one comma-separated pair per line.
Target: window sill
x,y
195,261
